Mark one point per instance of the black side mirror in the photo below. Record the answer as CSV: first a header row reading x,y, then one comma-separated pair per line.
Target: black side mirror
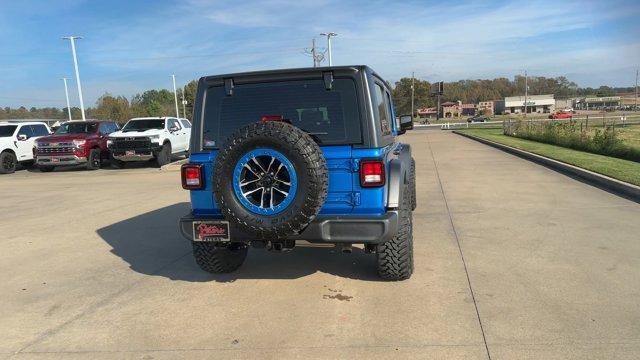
x,y
406,123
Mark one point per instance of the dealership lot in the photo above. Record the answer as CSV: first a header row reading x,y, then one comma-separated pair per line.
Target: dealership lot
x,y
512,260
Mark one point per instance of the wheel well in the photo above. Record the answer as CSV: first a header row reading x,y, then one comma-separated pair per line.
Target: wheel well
x,y
9,151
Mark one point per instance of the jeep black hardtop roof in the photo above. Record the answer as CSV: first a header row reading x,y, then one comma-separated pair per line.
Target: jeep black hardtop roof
x,y
294,71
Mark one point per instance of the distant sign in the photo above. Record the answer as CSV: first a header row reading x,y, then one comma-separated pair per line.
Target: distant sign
x,y
437,88
602,99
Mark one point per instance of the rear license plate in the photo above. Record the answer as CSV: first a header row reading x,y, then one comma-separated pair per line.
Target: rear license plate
x,y
55,160
210,231
130,152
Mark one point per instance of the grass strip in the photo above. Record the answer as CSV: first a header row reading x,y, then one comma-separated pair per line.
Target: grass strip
x,y
624,170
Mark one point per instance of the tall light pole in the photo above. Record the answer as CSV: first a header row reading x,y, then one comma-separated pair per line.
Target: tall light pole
x,y
413,78
184,104
66,93
175,95
75,65
636,105
329,35
526,92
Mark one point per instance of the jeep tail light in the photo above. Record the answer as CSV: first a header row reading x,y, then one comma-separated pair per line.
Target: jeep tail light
x,y
192,178
371,173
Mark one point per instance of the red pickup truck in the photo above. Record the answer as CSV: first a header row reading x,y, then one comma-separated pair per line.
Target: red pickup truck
x,y
561,115
75,143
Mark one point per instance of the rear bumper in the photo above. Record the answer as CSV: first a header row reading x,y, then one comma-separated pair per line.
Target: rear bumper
x,y
323,229
59,160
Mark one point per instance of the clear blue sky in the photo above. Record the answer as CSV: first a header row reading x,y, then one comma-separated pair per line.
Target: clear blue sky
x,y
131,46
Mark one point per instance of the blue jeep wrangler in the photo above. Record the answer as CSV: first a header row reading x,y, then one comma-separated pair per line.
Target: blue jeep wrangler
x,y
299,154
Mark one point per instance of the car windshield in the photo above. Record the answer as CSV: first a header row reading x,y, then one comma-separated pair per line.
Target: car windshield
x,y
330,116
7,130
77,128
145,124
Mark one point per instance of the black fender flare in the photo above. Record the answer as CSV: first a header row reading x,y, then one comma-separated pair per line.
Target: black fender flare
x,y
398,174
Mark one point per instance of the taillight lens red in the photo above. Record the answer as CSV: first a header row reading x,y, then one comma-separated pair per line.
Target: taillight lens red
x,y
372,173
267,118
192,178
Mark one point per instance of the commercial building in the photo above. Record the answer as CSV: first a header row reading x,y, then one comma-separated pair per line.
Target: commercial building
x,y
487,107
427,113
534,104
457,109
598,103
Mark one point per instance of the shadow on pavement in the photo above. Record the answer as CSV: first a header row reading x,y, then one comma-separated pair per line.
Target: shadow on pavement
x,y
151,244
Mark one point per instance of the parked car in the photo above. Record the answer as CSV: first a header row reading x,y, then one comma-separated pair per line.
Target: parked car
x,y
16,143
150,138
286,155
561,115
75,143
478,118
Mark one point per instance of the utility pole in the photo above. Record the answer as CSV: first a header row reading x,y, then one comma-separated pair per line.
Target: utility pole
x,y
313,52
66,94
175,95
316,56
184,104
413,78
329,35
75,64
636,105
526,92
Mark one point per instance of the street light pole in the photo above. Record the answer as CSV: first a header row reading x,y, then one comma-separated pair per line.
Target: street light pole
x,y
329,35
75,65
412,92
66,94
526,92
636,105
184,104
175,95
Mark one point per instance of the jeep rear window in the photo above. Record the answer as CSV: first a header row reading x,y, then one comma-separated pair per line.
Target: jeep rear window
x,y
330,116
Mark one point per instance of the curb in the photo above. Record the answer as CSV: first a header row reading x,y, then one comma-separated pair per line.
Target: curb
x,y
621,188
174,166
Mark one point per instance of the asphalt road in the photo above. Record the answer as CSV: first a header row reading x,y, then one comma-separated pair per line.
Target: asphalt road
x,y
513,261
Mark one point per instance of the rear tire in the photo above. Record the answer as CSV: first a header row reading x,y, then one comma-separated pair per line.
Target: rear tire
x,y
412,185
395,257
217,259
45,168
164,155
94,161
8,162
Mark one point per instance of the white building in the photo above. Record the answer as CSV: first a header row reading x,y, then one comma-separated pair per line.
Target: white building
x,y
535,104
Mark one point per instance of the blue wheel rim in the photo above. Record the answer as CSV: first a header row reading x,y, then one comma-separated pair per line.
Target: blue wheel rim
x,y
265,181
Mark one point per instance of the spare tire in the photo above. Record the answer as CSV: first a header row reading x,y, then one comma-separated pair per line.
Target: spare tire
x,y
270,179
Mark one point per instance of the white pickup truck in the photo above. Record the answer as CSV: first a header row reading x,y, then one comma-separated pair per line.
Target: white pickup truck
x,y
17,140
150,138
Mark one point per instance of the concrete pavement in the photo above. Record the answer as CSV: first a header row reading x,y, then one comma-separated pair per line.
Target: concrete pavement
x,y
512,261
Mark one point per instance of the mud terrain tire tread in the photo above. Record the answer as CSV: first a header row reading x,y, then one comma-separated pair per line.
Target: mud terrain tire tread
x,y
395,257
217,259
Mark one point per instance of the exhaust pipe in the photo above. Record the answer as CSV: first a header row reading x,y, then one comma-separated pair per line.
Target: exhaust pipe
x,y
346,248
